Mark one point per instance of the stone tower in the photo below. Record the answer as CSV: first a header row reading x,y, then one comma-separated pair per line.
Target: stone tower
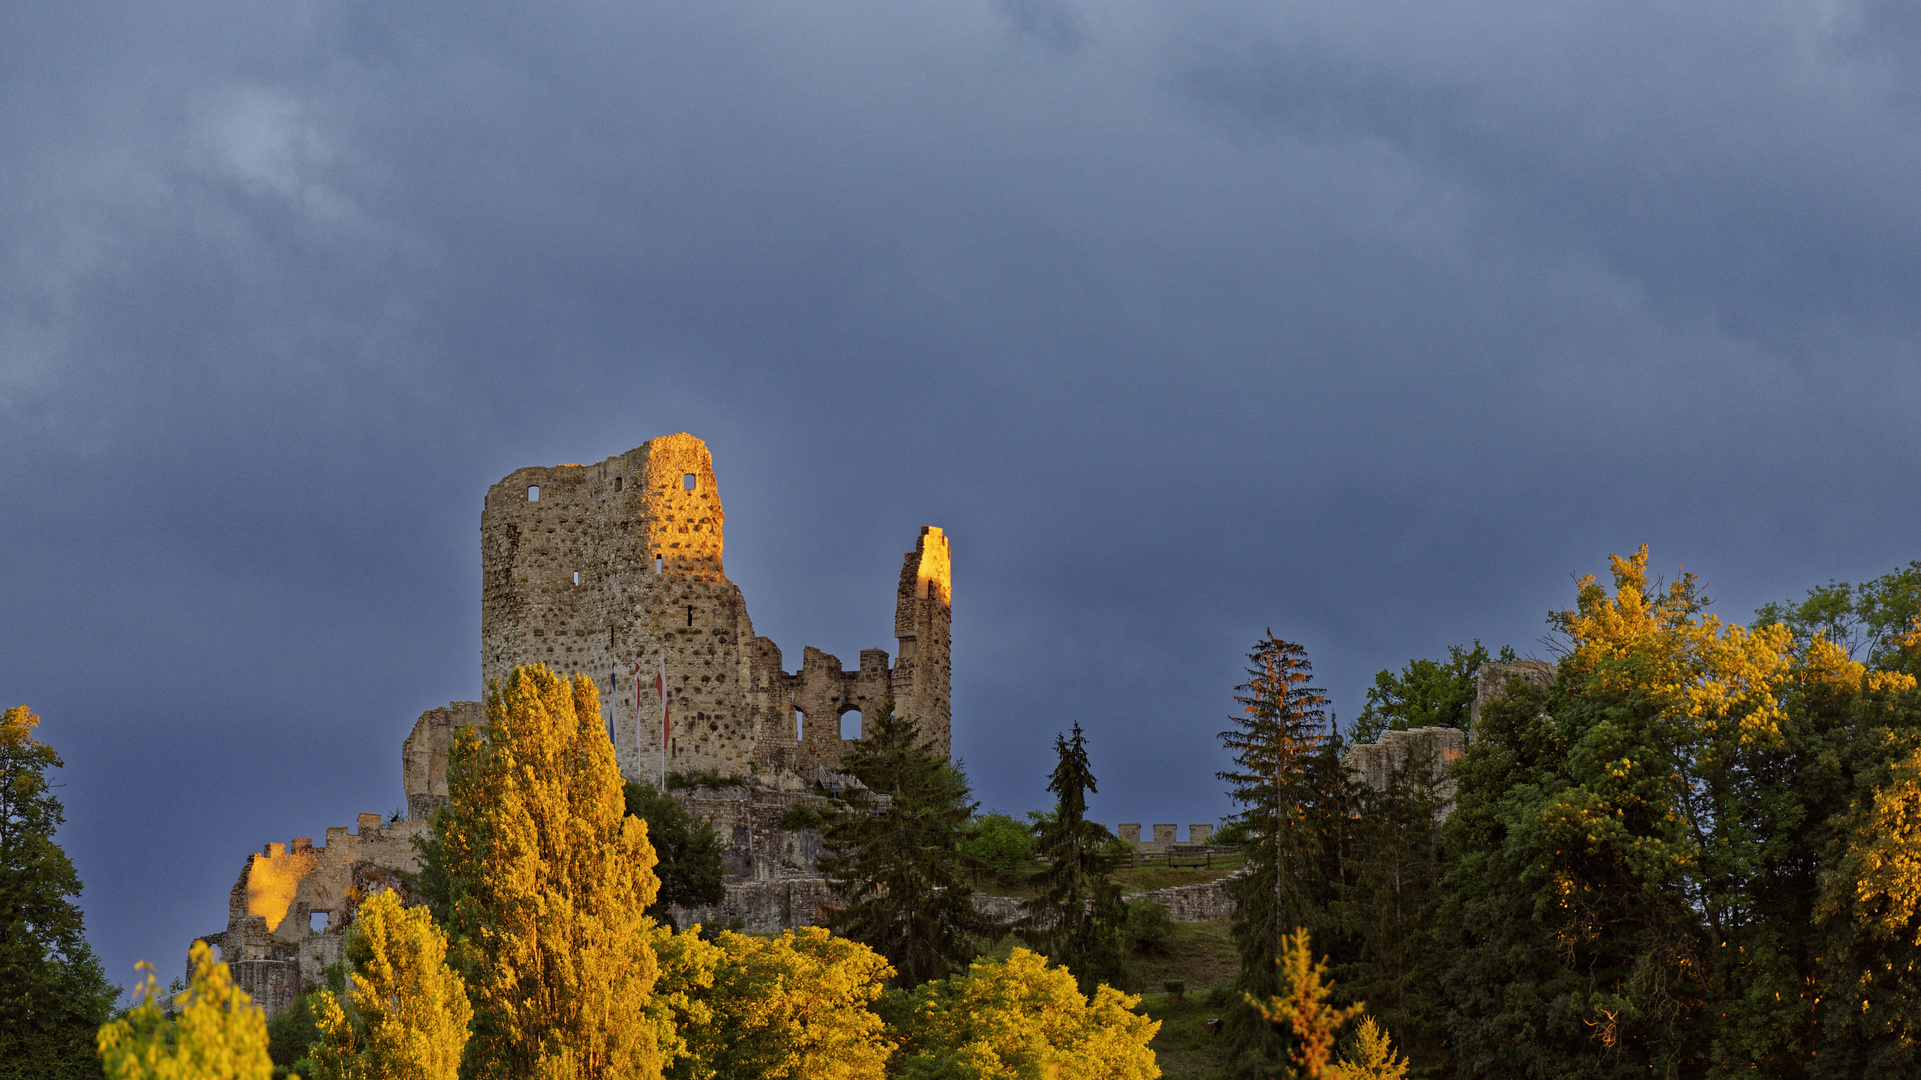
x,y
594,568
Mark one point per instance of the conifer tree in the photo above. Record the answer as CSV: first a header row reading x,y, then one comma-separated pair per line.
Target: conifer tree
x,y
1302,1005
406,1017
892,853
210,1031
1076,918
53,994
548,880
1281,747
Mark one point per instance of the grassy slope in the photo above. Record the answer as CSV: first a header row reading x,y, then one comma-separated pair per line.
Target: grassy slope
x,y
1201,956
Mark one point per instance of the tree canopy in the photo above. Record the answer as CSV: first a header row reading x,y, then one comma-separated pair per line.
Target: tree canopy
x,y
53,993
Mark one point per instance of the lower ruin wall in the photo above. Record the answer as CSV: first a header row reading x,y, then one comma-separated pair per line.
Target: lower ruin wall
x,y
769,907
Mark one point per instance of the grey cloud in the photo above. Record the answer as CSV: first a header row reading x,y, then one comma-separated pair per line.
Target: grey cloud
x,y
1370,323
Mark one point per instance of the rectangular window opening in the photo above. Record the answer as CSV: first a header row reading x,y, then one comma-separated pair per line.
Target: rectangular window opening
x,y
533,493
617,483
317,922
687,481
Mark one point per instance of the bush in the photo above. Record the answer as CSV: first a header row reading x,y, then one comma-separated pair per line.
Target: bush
x,y
999,844
1147,927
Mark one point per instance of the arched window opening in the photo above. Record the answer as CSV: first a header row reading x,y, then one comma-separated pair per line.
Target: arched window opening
x,y
533,493
617,480
850,724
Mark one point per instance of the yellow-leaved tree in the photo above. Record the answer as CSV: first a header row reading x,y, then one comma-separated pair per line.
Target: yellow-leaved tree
x,y
215,1032
406,1017
793,1007
548,880
1020,1018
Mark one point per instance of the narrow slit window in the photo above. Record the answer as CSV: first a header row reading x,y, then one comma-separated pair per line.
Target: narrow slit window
x,y
797,727
687,481
576,577
690,614
533,493
657,564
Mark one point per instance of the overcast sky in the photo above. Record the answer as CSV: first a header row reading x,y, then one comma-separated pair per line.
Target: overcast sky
x,y
1371,322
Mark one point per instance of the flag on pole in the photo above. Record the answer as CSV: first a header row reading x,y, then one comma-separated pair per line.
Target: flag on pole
x,y
660,686
637,732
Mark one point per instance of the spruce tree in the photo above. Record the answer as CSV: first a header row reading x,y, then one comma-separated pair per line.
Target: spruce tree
x,y
53,994
1076,917
893,854
548,880
1281,745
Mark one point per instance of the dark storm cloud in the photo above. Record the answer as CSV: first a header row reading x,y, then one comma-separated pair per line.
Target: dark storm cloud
x,y
1367,322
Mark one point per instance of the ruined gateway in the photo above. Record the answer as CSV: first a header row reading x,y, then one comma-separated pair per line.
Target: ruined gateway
x,y
607,569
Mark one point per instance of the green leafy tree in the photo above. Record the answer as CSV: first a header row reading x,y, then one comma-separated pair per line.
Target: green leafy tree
x,y
690,867
892,853
1641,851
291,1032
208,1031
1000,845
407,1015
549,880
1426,693
53,994
1867,621
1280,743
1077,916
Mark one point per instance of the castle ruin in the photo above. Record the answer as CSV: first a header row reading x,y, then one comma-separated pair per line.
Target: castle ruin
x,y
607,570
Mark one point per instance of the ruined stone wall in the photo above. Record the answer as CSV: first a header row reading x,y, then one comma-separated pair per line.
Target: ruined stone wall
x,y
597,569
1492,680
923,623
270,941
423,756
1372,763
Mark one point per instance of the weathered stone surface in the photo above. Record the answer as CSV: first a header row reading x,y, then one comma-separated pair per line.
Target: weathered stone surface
x,y
1372,762
423,756
1193,903
606,568
270,941
1492,680
765,907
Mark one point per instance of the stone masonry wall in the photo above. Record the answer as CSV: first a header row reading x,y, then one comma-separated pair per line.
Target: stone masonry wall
x,y
616,567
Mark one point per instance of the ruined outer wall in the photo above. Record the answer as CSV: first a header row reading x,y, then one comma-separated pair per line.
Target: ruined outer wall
x,y
647,551
923,622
